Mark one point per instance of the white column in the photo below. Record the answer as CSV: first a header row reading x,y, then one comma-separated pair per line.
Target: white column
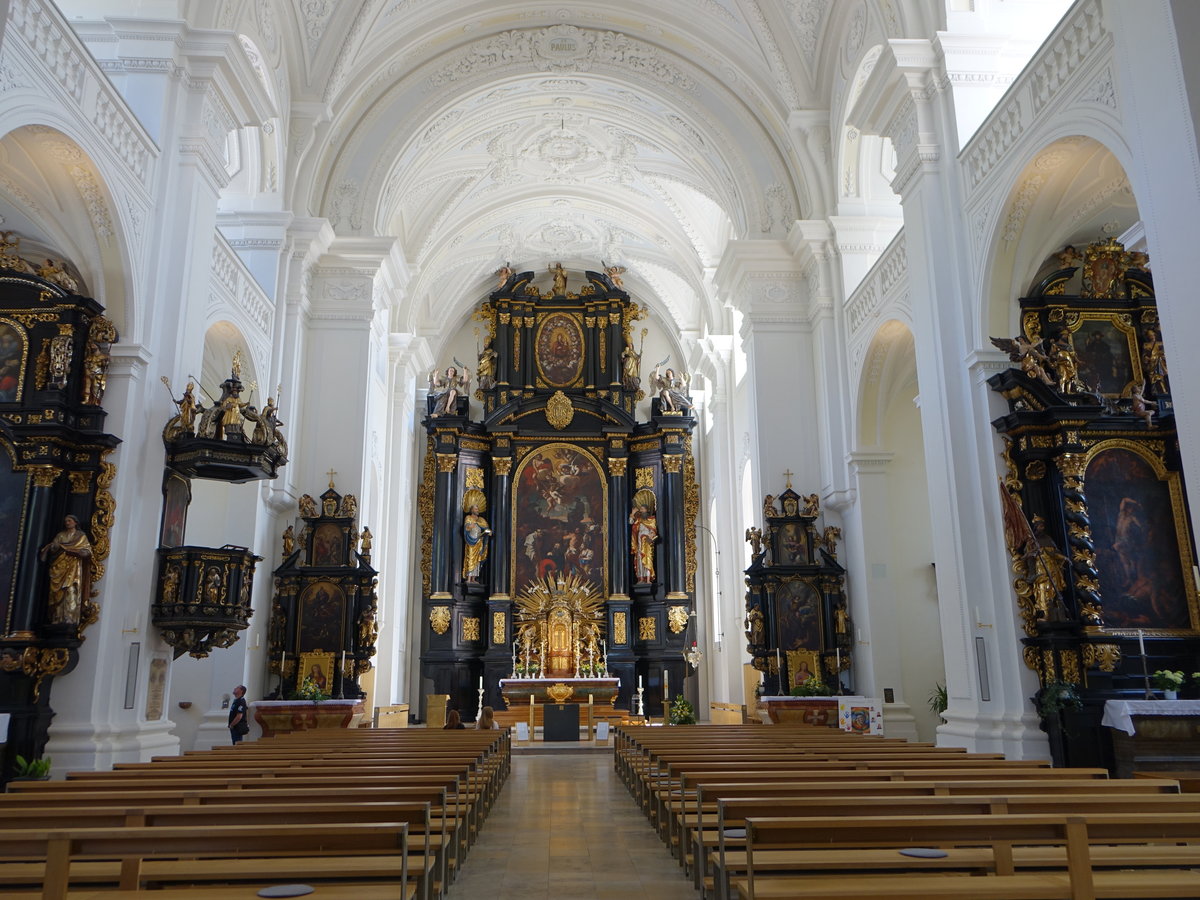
x,y
905,99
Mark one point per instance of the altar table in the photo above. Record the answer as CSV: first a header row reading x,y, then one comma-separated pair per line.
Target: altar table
x,y
282,716
517,691
1154,735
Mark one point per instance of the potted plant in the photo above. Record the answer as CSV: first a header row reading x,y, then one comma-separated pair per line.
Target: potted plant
x,y
939,700
1055,697
1169,681
31,769
681,712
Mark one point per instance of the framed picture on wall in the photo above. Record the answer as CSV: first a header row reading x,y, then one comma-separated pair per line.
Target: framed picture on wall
x,y
319,666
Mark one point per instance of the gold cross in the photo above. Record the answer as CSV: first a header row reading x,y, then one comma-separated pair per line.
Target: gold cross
x,y
331,473
788,473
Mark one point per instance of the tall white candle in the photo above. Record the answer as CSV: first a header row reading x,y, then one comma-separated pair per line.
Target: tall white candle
x,y
667,685
1141,643
343,663
639,682
481,682
839,663
282,661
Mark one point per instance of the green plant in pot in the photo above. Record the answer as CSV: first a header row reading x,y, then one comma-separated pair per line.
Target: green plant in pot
x,y
31,769
1168,681
939,700
1055,697
681,712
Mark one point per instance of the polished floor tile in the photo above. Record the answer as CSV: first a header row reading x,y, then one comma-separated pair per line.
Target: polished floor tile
x,y
563,828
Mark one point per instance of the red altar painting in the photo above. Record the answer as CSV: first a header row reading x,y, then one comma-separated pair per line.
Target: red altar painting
x,y
559,513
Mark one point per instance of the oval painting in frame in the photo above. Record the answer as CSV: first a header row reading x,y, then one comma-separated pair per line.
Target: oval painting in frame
x,y
558,348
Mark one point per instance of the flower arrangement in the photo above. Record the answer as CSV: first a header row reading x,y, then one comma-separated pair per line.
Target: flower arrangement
x,y
309,690
1168,679
681,712
814,687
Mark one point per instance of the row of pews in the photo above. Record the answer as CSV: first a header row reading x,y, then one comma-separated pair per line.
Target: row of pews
x,y
756,812
363,813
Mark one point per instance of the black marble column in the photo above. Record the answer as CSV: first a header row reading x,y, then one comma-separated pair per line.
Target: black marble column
x,y
501,522
444,532
503,344
30,593
615,346
618,527
671,526
526,332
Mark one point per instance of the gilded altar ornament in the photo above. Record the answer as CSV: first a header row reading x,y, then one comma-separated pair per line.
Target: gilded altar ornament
x,y
1102,656
439,619
60,358
474,477
1065,363
647,628
677,618
1154,360
184,420
829,539
367,538
485,368
769,510
498,628
56,273
560,693
620,634
502,274
755,632
812,505
643,477
559,411
308,506
69,554
289,541
470,628
476,534
643,534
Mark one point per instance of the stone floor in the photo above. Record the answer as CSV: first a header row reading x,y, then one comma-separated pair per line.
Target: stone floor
x,y
563,828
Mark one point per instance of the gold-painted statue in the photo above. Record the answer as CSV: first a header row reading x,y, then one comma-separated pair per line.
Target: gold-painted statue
x,y
754,539
184,421
476,533
367,538
1154,358
486,369
1033,362
644,534
559,287
308,506
56,273
289,541
69,553
1065,363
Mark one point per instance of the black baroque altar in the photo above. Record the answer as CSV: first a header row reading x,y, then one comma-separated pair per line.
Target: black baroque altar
x,y
557,483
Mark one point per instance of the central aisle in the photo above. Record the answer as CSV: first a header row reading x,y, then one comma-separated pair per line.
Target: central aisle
x,y
564,827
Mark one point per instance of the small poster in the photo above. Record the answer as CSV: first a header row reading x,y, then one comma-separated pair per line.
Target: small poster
x,y
860,715
156,689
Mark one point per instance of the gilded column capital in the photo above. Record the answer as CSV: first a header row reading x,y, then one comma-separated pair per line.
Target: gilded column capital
x,y
502,465
45,476
616,467
446,462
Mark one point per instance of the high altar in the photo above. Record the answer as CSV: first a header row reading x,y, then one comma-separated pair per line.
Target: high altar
x,y
559,531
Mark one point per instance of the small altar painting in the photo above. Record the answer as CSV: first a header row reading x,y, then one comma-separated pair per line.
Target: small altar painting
x,y
559,504
156,689
860,715
804,666
1107,355
559,349
327,545
793,545
177,494
319,667
322,612
12,362
1135,519
798,612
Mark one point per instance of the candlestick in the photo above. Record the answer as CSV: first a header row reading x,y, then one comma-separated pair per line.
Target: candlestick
x,y
666,686
1149,695
639,683
839,663
1141,643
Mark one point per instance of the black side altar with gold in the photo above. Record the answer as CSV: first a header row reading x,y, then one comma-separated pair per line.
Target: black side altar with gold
x,y
1094,505
323,616
797,623
558,479
56,510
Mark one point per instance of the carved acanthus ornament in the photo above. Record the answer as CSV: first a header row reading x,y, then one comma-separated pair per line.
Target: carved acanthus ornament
x,y
439,619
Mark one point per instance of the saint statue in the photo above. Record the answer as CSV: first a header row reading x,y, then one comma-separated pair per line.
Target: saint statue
x,y
289,541
476,533
446,389
486,370
1155,359
184,421
308,506
643,535
68,553
560,280
631,368
671,390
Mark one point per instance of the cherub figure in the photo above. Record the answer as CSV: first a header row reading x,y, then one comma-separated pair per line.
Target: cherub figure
x,y
1138,405
614,273
812,505
830,538
503,273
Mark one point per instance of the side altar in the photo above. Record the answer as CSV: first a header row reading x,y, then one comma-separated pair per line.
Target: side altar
x,y
559,535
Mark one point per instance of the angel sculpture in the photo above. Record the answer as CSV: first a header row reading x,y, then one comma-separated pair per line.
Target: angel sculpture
x,y
754,539
503,273
444,390
1033,362
1137,404
614,273
812,505
1066,363
769,510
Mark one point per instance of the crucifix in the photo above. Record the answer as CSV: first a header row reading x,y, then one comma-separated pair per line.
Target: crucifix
x,y
788,473
331,473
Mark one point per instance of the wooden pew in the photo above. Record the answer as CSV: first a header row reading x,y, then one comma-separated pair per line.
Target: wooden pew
x,y
1071,836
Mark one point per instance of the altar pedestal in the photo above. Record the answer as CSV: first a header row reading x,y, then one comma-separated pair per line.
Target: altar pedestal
x,y
517,692
282,716
1154,735
561,722
785,710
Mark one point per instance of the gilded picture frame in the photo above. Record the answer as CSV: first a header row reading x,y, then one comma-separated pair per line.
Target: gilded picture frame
x,y
559,349
803,666
1106,347
320,666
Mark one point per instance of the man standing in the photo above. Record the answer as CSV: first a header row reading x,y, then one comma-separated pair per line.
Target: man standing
x,y
239,727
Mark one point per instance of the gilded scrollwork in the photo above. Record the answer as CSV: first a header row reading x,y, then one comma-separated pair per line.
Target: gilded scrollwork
x,y
446,462
1102,656
677,618
620,629
425,509
498,627
1032,659
691,511
470,628
439,619
647,628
